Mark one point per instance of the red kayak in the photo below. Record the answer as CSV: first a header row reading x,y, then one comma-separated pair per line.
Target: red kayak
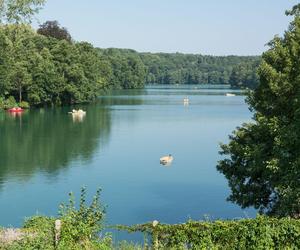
x,y
15,110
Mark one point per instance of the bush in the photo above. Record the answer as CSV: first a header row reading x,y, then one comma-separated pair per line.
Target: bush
x,y
38,234
260,233
83,224
79,230
2,103
10,102
24,105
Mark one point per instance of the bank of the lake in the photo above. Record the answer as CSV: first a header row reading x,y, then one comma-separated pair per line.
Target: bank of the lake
x,y
82,228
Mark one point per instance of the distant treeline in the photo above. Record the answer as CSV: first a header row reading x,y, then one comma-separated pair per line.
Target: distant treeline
x,y
132,69
238,71
47,67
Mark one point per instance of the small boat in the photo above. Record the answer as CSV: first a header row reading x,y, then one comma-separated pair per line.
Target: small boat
x,y
77,112
186,101
166,159
15,110
230,94
78,115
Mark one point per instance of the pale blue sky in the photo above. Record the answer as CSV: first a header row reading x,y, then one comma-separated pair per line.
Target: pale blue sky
x,y
216,27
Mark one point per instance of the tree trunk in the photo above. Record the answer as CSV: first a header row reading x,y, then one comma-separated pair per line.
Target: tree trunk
x,y
20,93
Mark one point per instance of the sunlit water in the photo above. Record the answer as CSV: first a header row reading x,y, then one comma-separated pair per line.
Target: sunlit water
x,y
45,153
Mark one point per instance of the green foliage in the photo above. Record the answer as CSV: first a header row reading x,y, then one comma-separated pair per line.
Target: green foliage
x,y
163,68
2,103
19,11
259,233
53,29
10,102
79,229
24,105
244,75
83,224
45,71
39,232
263,167
127,69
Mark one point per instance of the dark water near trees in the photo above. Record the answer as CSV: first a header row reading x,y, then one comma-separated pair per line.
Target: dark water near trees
x,y
44,154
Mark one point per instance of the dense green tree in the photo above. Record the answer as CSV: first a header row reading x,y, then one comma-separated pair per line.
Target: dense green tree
x,y
180,68
263,163
244,75
19,11
53,29
5,52
20,78
44,70
128,70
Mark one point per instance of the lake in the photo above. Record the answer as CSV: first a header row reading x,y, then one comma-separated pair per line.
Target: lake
x,y
45,154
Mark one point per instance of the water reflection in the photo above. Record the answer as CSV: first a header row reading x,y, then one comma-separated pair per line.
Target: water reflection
x,y
78,118
15,114
48,140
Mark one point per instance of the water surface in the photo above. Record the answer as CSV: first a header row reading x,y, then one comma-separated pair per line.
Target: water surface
x,y
44,154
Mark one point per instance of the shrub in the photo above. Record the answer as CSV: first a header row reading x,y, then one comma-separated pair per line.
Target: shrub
x,y
79,230
2,103
260,233
10,102
24,105
39,234
82,225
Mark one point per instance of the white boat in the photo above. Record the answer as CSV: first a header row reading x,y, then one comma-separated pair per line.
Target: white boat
x,y
78,115
77,112
166,159
230,94
186,101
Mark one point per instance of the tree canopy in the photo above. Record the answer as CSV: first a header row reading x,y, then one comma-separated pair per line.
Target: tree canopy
x,y
44,70
263,157
53,29
19,11
178,68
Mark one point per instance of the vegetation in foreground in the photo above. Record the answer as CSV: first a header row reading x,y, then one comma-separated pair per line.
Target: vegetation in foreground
x,y
81,228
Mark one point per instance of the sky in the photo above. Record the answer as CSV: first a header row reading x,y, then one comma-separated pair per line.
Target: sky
x,y
209,27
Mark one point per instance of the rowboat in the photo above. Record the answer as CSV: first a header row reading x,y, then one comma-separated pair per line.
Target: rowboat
x,y
15,110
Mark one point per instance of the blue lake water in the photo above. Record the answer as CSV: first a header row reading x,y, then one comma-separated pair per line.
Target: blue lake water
x,y
44,154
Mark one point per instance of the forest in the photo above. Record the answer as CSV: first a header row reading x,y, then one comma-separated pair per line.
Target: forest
x,y
47,67
177,68
40,69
